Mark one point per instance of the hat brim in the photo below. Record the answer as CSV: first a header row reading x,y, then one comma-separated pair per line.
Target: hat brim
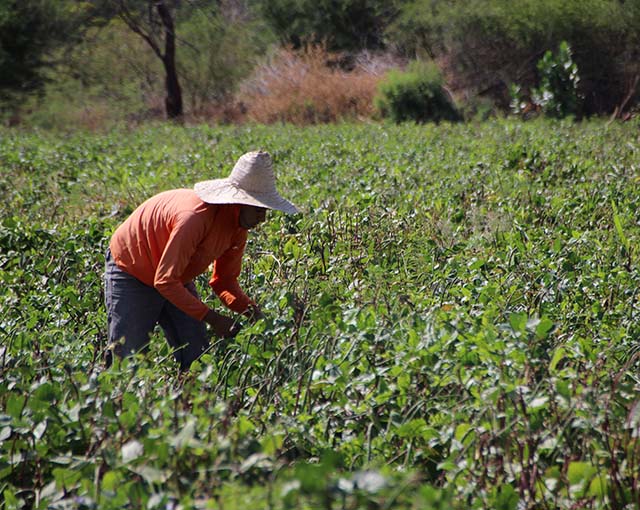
x,y
222,191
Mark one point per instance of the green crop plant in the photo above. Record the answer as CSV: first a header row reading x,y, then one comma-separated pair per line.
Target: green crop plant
x,y
452,323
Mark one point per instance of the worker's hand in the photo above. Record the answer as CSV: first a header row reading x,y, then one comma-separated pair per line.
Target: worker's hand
x,y
253,313
223,327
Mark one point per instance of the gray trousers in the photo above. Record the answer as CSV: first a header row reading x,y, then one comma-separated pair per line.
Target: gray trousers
x,y
134,309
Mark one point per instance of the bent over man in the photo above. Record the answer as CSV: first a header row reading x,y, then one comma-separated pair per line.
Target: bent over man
x,y
171,238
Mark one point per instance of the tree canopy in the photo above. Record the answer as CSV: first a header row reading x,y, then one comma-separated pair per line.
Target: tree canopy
x,y
29,30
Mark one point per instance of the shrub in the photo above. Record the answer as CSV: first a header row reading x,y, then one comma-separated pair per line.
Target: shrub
x,y
558,94
305,87
484,45
416,94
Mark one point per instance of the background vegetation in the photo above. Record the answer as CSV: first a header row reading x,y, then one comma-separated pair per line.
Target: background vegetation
x,y
110,61
453,325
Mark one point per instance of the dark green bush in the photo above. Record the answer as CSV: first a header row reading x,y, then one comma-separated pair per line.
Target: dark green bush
x,y
415,95
558,94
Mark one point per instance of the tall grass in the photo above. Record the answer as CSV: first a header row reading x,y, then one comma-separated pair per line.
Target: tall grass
x,y
311,86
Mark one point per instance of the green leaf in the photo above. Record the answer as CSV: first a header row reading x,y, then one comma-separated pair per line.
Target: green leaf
x,y
5,433
10,499
618,225
271,443
580,475
505,498
244,426
39,429
15,404
579,471
412,429
45,392
543,328
66,478
518,321
598,487
462,430
131,451
558,355
111,480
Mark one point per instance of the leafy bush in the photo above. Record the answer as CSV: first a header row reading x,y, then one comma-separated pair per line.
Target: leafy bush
x,y
484,45
558,94
415,95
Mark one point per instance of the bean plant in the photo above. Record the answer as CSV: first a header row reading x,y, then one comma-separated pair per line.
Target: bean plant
x,y
451,323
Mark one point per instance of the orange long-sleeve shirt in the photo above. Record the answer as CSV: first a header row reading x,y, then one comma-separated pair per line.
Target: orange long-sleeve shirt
x,y
173,237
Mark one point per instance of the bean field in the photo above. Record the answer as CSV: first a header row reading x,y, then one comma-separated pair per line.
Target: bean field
x,y
453,322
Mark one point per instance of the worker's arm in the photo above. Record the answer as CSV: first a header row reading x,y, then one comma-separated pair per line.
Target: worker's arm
x,y
224,278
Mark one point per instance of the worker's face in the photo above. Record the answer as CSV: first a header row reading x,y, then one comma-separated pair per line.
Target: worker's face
x,y
251,216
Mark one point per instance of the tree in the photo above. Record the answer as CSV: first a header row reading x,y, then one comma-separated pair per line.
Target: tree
x,y
29,31
153,20
342,24
219,46
35,36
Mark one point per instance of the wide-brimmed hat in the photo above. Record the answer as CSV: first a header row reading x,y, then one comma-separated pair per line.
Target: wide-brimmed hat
x,y
251,182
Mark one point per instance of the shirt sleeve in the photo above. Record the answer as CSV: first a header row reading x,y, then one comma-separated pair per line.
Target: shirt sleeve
x,y
183,241
224,279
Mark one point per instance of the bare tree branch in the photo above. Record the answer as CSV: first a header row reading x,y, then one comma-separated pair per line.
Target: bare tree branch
x,y
130,20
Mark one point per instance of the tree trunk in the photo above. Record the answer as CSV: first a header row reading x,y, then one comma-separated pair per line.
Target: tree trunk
x,y
173,100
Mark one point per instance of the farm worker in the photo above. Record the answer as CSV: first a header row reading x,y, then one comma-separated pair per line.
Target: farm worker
x,y
173,237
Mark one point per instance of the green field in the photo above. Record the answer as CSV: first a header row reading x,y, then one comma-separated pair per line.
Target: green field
x,y
452,323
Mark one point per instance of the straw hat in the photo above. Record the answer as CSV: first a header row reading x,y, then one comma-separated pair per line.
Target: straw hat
x,y
251,182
